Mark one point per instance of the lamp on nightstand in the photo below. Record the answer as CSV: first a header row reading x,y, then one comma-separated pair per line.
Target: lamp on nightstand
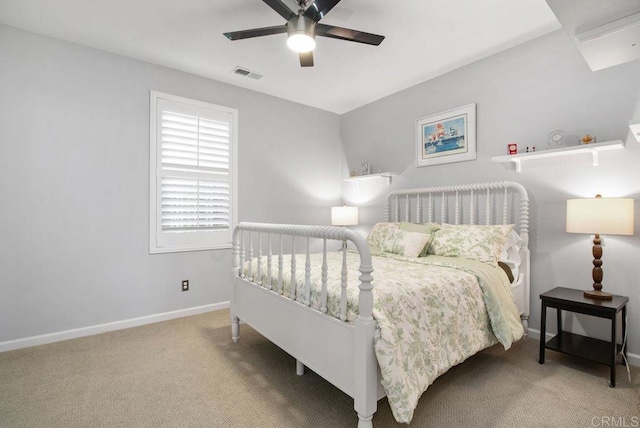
x,y
595,216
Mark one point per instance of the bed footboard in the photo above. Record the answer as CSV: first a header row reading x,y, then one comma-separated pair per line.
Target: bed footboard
x,y
339,351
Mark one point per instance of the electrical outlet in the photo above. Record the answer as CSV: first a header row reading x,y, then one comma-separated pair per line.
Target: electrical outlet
x,y
185,285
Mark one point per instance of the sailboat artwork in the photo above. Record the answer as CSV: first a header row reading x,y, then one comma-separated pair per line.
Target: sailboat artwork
x,y
446,137
438,138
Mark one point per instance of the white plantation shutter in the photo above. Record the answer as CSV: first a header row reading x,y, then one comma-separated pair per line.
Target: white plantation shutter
x,y
194,204
193,149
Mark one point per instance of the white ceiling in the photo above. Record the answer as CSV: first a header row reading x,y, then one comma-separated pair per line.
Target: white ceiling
x,y
424,38
606,33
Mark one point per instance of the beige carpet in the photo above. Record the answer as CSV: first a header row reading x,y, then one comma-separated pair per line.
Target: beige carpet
x,y
187,373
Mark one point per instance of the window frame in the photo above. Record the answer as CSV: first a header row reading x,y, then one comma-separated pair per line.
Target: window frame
x,y
196,240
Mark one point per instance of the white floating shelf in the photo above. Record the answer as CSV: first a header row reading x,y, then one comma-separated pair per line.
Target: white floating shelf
x,y
592,149
381,175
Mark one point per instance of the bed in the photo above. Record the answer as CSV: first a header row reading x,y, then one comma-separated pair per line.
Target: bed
x,y
325,308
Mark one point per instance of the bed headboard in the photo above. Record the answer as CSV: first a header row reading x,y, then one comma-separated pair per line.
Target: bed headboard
x,y
503,202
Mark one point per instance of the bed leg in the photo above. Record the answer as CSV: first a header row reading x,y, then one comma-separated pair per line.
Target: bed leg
x,y
299,368
525,324
365,421
235,329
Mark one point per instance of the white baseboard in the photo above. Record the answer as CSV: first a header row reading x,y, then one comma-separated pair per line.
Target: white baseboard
x,y
43,339
633,359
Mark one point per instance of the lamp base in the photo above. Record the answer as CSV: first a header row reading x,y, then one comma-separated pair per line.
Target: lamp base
x,y
597,294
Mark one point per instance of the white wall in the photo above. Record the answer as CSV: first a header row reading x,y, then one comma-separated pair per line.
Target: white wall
x,y
522,94
74,180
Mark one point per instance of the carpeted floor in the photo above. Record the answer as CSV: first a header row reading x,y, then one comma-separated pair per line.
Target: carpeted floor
x,y
187,373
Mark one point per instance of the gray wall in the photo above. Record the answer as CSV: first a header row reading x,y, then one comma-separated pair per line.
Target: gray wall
x,y
522,94
74,180
74,139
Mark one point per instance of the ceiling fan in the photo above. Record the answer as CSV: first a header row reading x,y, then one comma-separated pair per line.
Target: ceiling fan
x,y
303,27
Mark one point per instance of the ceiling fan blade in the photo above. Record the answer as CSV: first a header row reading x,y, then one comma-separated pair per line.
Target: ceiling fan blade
x,y
306,59
282,9
319,9
347,34
256,32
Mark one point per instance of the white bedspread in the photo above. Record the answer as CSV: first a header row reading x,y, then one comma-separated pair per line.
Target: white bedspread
x,y
432,313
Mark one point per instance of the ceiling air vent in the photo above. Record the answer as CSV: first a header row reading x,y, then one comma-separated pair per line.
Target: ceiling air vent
x,y
244,72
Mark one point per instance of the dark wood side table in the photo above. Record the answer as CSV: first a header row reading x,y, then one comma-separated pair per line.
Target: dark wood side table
x,y
572,300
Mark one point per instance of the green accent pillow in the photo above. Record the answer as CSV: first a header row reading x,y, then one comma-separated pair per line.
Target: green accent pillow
x,y
475,242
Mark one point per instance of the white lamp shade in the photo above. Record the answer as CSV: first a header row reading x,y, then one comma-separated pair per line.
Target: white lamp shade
x,y
344,216
607,216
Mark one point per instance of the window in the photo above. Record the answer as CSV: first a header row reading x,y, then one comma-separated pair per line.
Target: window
x,y
193,174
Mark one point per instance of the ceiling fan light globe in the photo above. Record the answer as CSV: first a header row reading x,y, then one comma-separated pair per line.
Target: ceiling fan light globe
x,y
301,42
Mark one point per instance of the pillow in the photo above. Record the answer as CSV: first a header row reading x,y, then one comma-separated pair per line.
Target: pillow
x,y
394,239
428,228
475,242
510,254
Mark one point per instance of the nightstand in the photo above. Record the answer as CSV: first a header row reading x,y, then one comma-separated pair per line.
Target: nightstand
x,y
600,351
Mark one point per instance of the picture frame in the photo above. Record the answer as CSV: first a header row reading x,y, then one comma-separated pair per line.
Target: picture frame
x,y
446,137
364,168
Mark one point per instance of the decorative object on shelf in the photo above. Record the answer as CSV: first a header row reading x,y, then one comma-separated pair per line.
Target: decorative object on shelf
x,y
557,139
446,137
513,148
587,139
358,178
364,168
609,216
593,149
352,173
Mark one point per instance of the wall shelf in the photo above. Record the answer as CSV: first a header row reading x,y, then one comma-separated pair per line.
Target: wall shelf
x,y
381,175
593,149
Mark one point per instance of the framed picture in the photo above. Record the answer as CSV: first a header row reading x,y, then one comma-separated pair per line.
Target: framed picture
x,y
446,137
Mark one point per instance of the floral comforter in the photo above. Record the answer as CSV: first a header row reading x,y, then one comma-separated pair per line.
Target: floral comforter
x,y
432,313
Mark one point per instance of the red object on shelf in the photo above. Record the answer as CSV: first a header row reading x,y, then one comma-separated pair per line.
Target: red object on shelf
x,y
513,148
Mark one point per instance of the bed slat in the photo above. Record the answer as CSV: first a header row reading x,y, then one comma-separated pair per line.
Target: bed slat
x,y
472,209
323,296
344,277
292,282
269,261
250,258
307,277
280,264
241,250
488,208
406,209
505,207
260,258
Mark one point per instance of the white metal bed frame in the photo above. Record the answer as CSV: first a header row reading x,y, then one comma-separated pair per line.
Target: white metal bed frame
x,y
339,351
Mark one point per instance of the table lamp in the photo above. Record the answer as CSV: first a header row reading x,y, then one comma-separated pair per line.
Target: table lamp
x,y
344,216
595,216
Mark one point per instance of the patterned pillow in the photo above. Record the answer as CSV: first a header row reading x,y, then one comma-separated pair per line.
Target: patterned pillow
x,y
482,243
399,238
